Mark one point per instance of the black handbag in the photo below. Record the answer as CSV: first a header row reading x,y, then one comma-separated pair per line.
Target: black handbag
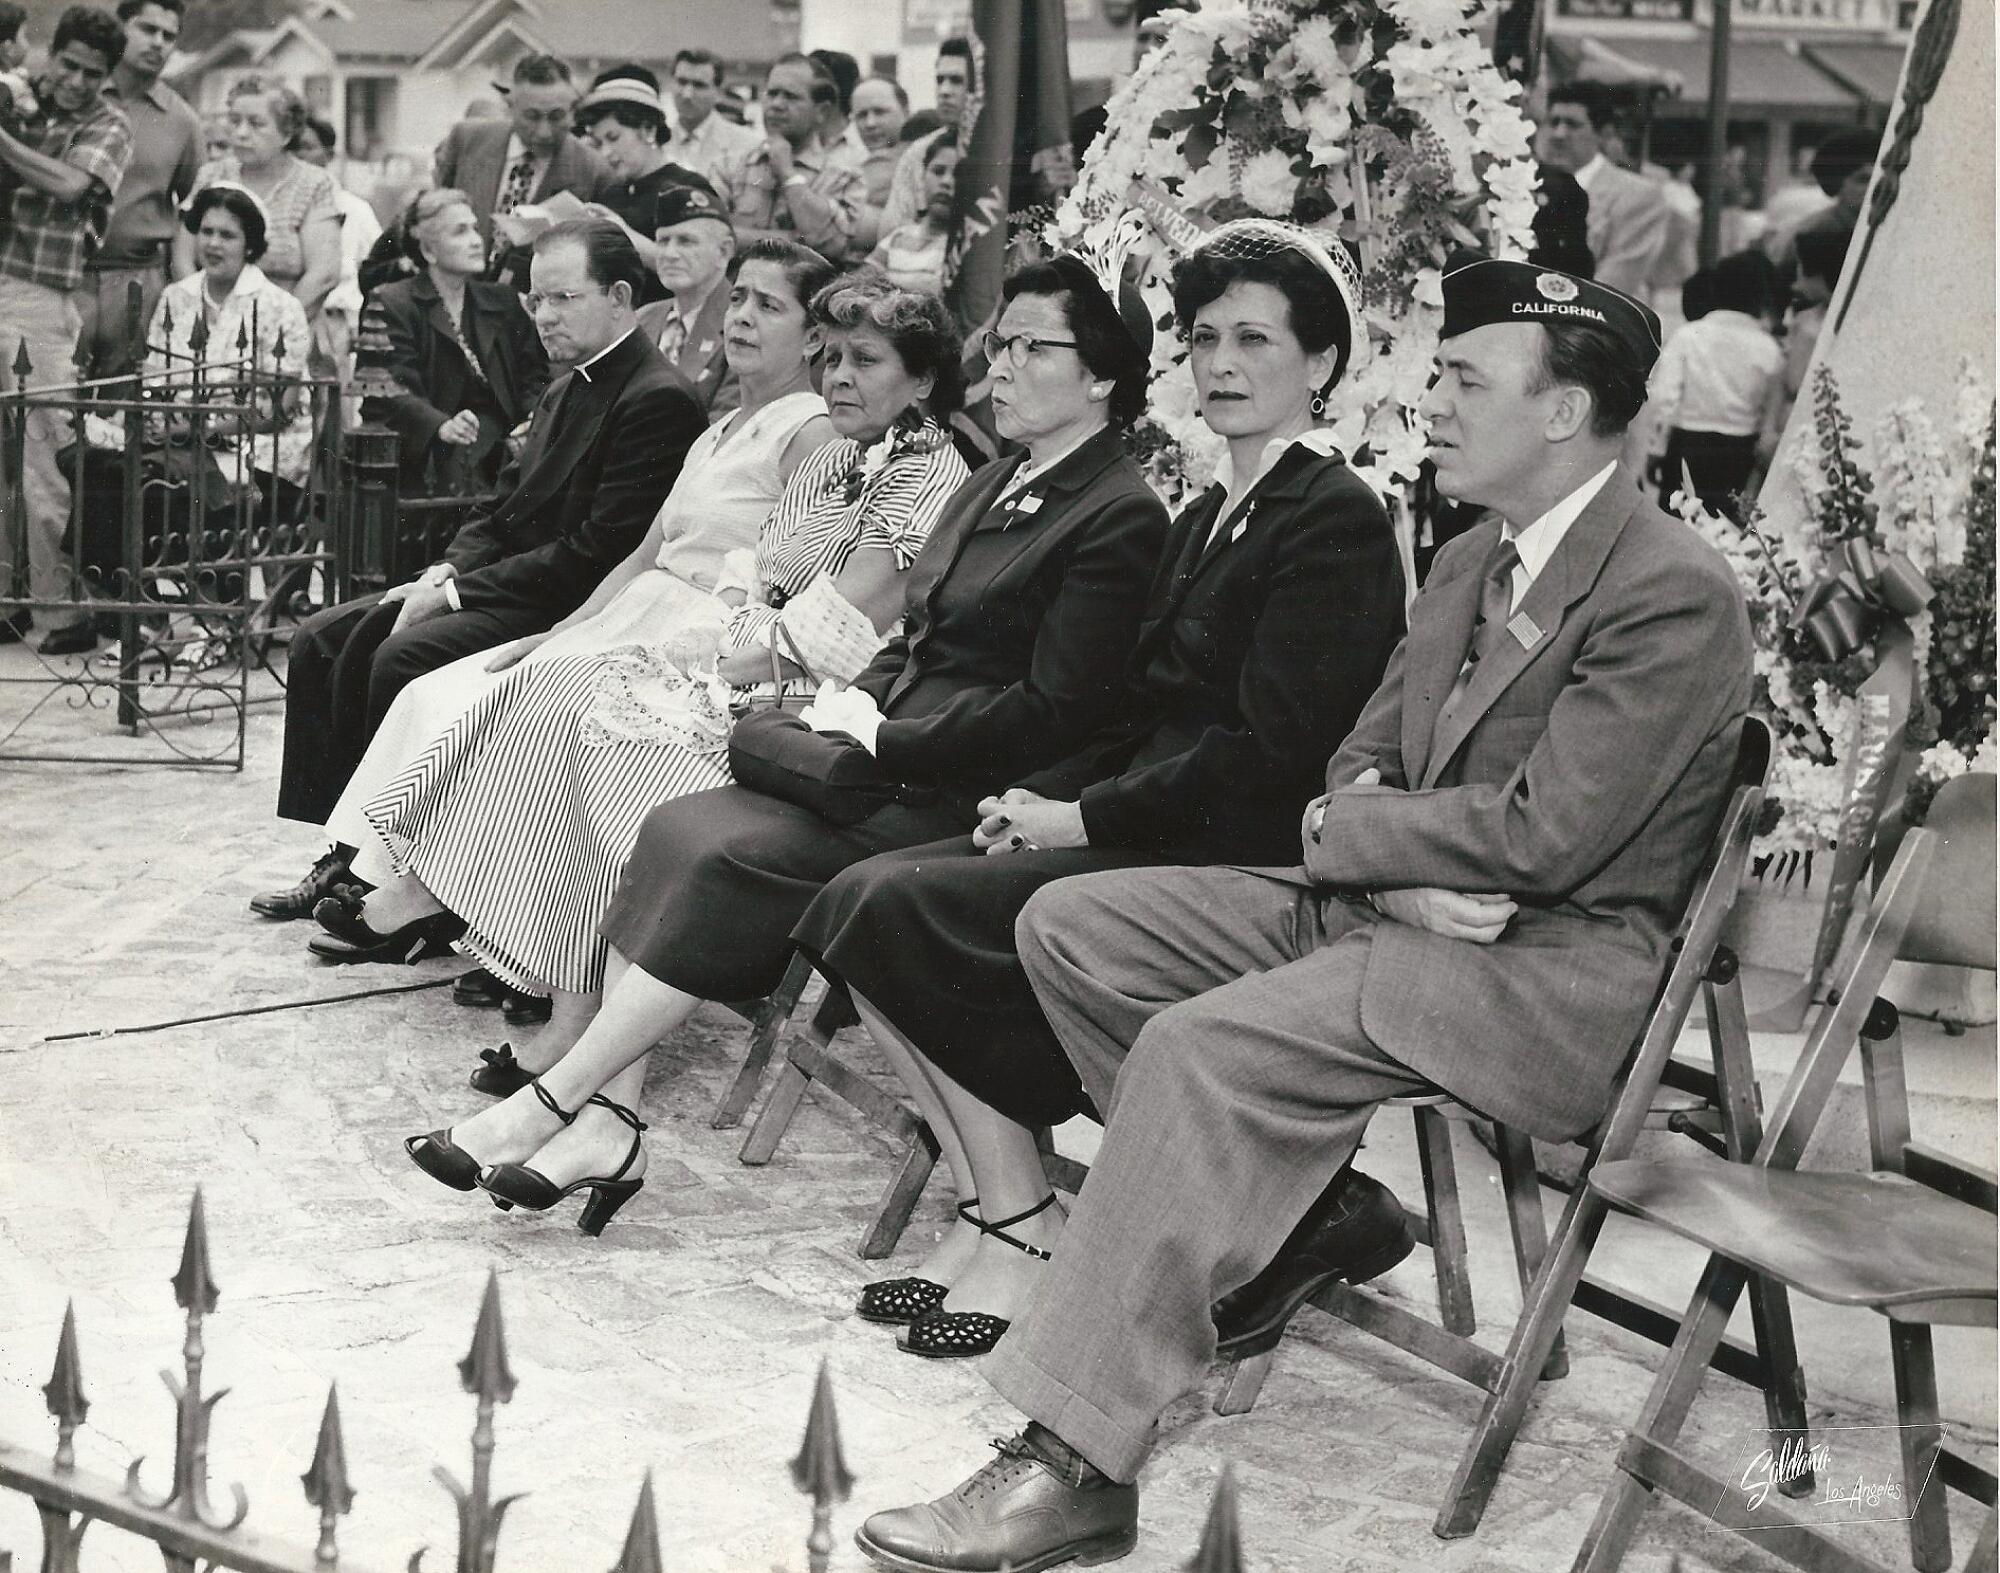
x,y
772,751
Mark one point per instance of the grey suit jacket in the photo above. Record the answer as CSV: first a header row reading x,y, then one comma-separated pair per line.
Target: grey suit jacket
x,y
473,157
1583,774
1630,222
700,360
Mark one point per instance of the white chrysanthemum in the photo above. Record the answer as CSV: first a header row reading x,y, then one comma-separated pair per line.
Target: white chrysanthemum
x,y
1268,183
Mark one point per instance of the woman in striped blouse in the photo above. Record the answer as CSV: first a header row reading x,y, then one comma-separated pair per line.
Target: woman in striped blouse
x,y
519,817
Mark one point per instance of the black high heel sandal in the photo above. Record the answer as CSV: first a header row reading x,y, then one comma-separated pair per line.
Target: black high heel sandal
x,y
897,1302
517,1185
966,1335
450,1164
348,937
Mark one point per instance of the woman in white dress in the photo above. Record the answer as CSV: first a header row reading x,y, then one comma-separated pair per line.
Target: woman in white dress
x,y
731,479
519,818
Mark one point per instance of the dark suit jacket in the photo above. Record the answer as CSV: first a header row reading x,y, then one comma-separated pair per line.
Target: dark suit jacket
x,y
1018,621
473,158
1258,651
1582,774
605,447
421,353
700,359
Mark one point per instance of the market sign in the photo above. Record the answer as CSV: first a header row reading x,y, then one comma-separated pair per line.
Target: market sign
x,y
1846,16
1628,10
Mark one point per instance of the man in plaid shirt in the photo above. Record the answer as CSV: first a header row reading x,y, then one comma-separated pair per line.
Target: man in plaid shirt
x,y
68,171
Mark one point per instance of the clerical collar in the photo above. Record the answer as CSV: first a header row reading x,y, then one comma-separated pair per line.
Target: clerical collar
x,y
583,367
1538,543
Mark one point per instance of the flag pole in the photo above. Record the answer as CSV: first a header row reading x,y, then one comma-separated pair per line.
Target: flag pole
x,y
1718,129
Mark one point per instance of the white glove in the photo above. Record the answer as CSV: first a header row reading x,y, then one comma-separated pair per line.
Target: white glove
x,y
849,710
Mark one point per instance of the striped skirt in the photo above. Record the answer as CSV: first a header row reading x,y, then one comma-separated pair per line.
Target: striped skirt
x,y
521,828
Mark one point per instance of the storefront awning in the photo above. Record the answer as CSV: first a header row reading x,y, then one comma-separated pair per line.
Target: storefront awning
x,y
1762,73
1871,71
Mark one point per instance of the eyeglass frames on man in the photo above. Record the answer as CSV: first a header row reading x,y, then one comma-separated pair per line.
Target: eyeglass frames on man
x,y
561,299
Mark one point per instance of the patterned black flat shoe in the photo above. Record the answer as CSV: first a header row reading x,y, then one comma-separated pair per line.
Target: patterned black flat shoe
x,y
501,1076
966,1335
896,1302
953,1335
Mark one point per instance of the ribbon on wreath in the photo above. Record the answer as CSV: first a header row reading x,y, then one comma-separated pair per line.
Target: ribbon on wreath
x,y
1841,611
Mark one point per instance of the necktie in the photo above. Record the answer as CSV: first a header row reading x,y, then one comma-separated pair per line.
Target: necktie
x,y
519,182
1496,605
673,337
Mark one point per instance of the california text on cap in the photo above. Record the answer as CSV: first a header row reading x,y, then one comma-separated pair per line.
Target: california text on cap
x,y
1497,290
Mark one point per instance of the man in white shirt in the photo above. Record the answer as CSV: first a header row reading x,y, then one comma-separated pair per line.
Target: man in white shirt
x,y
1719,386
1488,893
703,140
1629,215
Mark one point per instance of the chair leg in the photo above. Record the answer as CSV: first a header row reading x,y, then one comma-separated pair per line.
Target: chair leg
x,y
906,1189
1244,1382
1770,1306
1544,1305
1447,1221
764,1034
1674,1389
1529,1224
1920,1437
1986,1550
775,1118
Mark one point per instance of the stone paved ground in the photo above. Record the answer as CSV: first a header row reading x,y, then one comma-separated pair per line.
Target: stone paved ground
x,y
685,1340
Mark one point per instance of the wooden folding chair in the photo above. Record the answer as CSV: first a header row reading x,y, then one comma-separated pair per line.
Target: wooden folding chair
x,y
1718,1108
1913,1241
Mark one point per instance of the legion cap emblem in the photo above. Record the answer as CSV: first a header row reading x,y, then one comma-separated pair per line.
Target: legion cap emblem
x,y
1556,286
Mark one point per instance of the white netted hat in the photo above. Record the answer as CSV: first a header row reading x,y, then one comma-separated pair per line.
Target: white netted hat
x,y
1243,238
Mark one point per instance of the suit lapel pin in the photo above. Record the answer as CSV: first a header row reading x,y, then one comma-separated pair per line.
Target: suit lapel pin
x,y
1526,634
707,347
1031,503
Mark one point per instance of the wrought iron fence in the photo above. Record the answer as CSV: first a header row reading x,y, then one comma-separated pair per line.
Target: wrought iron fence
x,y
206,493
190,1531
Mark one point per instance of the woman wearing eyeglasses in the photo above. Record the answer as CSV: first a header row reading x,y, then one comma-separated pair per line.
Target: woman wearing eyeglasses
x,y
1019,616
1277,603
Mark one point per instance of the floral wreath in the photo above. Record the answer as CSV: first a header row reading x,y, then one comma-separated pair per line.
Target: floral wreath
x,y
1382,124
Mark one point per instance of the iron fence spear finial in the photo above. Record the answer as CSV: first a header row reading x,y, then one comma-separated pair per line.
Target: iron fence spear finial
x,y
23,364
64,1391
642,1540
820,1471
325,1478
1221,1549
196,1293
485,1375
193,1281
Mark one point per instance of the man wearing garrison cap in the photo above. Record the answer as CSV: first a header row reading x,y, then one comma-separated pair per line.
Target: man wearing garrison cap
x,y
1486,900
693,243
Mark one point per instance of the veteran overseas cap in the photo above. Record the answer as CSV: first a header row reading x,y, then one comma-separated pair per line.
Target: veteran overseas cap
x,y
679,204
1492,289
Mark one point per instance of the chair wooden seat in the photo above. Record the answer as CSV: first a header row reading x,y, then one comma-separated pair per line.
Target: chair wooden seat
x,y
1803,1227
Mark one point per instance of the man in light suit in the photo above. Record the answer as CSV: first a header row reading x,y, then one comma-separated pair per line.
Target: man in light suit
x,y
526,158
1488,893
1630,217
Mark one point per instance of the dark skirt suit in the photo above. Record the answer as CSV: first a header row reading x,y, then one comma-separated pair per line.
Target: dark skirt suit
x,y
1259,650
1020,617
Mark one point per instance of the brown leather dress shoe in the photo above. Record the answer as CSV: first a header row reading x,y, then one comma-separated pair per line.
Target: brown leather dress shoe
x,y
1355,1231
1037,1505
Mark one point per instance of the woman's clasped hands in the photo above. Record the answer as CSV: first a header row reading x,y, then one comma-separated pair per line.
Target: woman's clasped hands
x,y
1022,821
